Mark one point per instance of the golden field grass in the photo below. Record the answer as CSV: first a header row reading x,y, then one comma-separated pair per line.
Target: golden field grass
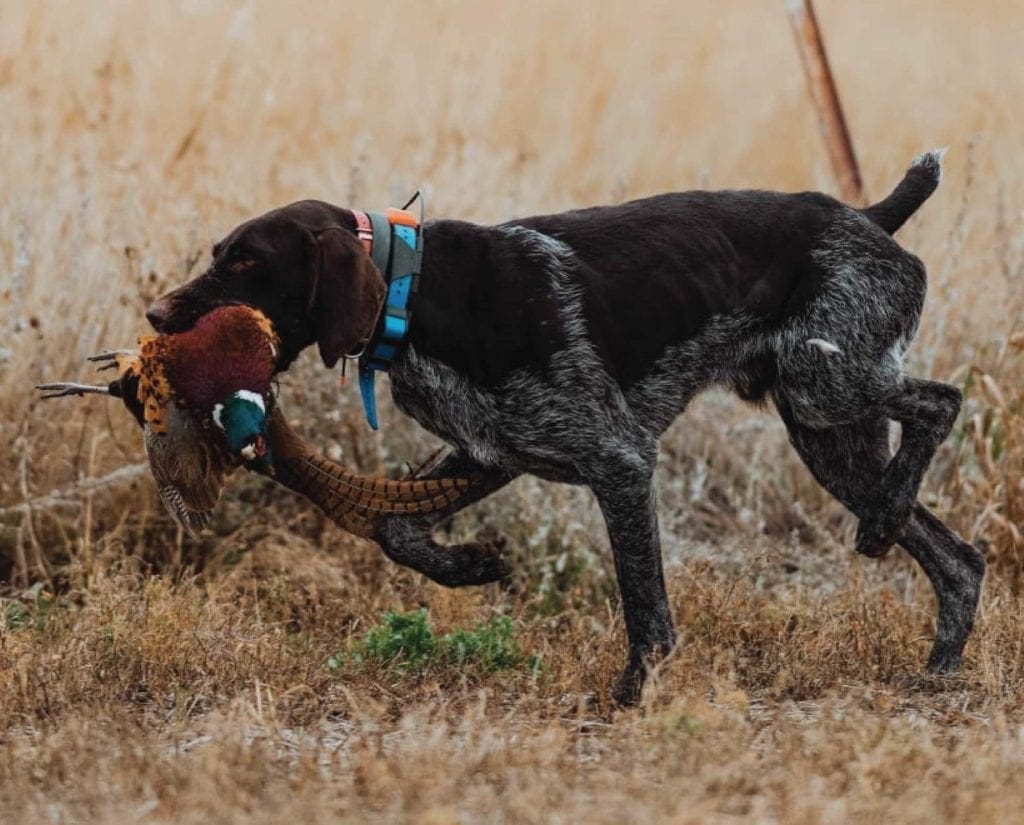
x,y
148,678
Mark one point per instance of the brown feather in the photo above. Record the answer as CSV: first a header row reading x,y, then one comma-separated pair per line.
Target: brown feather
x,y
188,469
354,502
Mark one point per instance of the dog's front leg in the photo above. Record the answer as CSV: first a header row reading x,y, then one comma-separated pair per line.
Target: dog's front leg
x,y
409,540
624,487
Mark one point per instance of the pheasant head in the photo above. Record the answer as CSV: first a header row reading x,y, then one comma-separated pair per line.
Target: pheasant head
x,y
243,418
219,373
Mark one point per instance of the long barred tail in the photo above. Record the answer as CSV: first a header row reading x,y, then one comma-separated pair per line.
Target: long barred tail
x,y
354,502
921,179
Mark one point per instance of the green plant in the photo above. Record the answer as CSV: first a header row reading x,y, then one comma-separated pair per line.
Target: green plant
x,y
30,612
490,645
407,642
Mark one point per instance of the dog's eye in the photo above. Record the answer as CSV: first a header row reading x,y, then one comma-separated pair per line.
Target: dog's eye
x,y
241,266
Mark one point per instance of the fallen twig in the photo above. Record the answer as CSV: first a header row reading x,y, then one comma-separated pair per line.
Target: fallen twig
x,y
69,496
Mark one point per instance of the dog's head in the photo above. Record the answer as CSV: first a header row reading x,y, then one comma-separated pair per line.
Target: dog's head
x,y
302,266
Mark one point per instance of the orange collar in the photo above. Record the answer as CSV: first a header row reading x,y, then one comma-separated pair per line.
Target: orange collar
x,y
364,225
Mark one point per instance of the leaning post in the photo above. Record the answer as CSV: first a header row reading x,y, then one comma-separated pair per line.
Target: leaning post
x,y
826,99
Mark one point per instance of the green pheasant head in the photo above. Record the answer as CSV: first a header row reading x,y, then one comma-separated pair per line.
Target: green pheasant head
x,y
243,418
221,372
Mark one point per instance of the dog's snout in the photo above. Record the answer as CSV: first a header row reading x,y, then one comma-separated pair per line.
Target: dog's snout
x,y
158,314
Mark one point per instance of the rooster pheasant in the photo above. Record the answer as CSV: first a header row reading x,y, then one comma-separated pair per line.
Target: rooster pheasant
x,y
205,402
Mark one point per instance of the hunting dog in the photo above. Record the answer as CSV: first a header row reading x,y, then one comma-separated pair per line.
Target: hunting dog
x,y
564,345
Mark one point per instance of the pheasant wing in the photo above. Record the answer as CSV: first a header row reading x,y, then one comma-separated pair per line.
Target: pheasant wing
x,y
187,468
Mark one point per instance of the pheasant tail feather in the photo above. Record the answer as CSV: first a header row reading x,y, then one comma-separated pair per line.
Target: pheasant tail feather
x,y
352,501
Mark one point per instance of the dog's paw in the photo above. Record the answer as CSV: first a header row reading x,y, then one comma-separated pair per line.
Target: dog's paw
x,y
945,659
628,688
871,542
877,534
495,560
480,563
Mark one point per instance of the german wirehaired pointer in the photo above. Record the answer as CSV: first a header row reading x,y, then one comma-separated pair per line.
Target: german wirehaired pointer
x,y
564,345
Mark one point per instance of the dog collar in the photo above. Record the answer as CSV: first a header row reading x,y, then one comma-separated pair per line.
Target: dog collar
x,y
394,241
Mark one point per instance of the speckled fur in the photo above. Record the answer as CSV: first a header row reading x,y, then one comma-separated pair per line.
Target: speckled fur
x,y
571,422
564,345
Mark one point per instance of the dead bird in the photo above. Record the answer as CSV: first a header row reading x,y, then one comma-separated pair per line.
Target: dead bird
x,y
205,401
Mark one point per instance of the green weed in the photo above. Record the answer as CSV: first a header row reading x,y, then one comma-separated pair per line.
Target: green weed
x,y
406,642
29,612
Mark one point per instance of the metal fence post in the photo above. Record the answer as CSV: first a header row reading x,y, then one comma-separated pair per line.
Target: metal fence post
x,y
826,99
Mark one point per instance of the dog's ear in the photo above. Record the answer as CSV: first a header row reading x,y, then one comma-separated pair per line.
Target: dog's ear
x,y
345,294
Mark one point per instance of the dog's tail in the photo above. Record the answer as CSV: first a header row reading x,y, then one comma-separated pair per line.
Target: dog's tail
x,y
921,180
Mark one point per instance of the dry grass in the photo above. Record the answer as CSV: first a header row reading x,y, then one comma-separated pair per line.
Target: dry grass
x,y
147,678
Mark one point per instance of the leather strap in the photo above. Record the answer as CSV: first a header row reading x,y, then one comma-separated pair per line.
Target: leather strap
x,y
364,229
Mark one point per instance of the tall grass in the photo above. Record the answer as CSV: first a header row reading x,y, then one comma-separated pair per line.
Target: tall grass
x,y
144,676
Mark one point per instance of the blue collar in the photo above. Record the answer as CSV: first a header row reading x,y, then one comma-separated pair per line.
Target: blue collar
x,y
394,240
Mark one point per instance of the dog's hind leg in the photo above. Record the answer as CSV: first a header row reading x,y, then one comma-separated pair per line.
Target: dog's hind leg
x,y
622,480
845,393
927,411
955,569
850,462
409,541
839,363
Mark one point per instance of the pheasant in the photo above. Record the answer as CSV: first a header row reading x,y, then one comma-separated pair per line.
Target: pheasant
x,y
205,402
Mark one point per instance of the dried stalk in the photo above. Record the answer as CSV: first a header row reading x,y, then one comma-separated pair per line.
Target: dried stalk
x,y
71,496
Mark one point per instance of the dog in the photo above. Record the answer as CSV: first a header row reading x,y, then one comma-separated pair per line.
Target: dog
x,y
564,345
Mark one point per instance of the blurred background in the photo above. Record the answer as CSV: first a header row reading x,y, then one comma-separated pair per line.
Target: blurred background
x,y
147,677
134,135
